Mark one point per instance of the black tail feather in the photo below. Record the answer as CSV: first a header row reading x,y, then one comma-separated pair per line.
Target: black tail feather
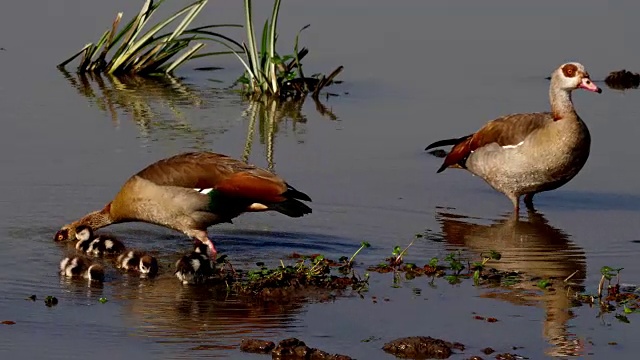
x,y
291,207
447,142
292,193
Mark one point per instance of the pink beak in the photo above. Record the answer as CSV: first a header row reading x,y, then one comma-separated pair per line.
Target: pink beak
x,y
588,85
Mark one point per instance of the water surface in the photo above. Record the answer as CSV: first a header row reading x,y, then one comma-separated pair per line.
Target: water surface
x,y
415,72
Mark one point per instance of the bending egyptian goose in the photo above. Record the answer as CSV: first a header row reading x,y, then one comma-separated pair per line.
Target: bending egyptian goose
x,y
137,261
192,191
195,267
97,245
77,266
524,154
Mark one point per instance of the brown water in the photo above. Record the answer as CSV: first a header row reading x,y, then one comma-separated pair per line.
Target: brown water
x,y
415,72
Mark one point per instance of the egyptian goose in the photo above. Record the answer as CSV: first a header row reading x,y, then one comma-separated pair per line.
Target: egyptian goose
x,y
97,245
137,261
192,191
524,154
195,267
76,266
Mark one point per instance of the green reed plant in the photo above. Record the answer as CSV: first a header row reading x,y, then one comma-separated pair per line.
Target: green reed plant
x,y
138,52
268,73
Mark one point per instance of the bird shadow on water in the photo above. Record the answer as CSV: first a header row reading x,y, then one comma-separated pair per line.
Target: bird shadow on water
x,y
532,246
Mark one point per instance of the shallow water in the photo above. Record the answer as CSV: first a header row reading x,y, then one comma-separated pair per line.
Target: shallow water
x,y
415,72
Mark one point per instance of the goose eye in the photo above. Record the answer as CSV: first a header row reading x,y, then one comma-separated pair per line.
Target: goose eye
x,y
62,235
569,70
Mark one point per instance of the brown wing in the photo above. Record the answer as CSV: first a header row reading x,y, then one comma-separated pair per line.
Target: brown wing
x,y
507,130
203,170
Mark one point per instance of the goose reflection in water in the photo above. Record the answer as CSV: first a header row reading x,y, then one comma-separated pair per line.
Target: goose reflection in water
x,y
536,248
200,317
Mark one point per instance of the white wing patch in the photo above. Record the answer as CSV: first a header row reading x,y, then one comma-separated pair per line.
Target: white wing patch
x,y
204,191
513,146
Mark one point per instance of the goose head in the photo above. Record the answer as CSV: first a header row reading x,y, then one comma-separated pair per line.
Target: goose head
x,y
65,233
571,76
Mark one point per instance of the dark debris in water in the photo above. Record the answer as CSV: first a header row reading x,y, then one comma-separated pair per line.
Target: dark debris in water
x,y
51,301
509,356
257,346
439,153
8,322
422,347
288,349
294,349
488,351
622,80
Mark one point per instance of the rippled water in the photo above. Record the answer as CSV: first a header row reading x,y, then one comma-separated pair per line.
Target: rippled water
x,y
415,72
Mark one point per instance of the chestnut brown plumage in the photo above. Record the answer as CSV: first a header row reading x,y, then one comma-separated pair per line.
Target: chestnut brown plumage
x,y
524,154
192,191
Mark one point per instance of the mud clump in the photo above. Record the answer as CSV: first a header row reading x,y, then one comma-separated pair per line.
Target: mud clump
x,y
294,349
257,346
421,347
622,79
488,351
508,356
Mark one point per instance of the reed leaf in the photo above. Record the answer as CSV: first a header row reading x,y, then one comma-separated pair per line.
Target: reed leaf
x,y
132,31
82,51
297,54
251,50
184,57
197,6
132,49
272,45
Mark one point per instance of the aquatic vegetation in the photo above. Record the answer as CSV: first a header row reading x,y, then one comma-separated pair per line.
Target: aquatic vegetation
x,y
268,73
314,271
141,53
363,245
479,266
614,298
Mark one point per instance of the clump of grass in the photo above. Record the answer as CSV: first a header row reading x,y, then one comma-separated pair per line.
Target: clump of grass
x,y
315,271
451,268
141,53
613,298
268,73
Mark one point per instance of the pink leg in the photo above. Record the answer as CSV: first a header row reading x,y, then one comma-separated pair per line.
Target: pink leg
x,y
202,236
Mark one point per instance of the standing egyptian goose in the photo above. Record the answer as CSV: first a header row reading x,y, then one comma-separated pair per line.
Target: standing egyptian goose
x,y
524,154
192,191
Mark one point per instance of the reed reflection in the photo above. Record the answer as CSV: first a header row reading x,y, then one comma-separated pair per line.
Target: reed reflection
x,y
162,107
272,115
538,249
157,105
